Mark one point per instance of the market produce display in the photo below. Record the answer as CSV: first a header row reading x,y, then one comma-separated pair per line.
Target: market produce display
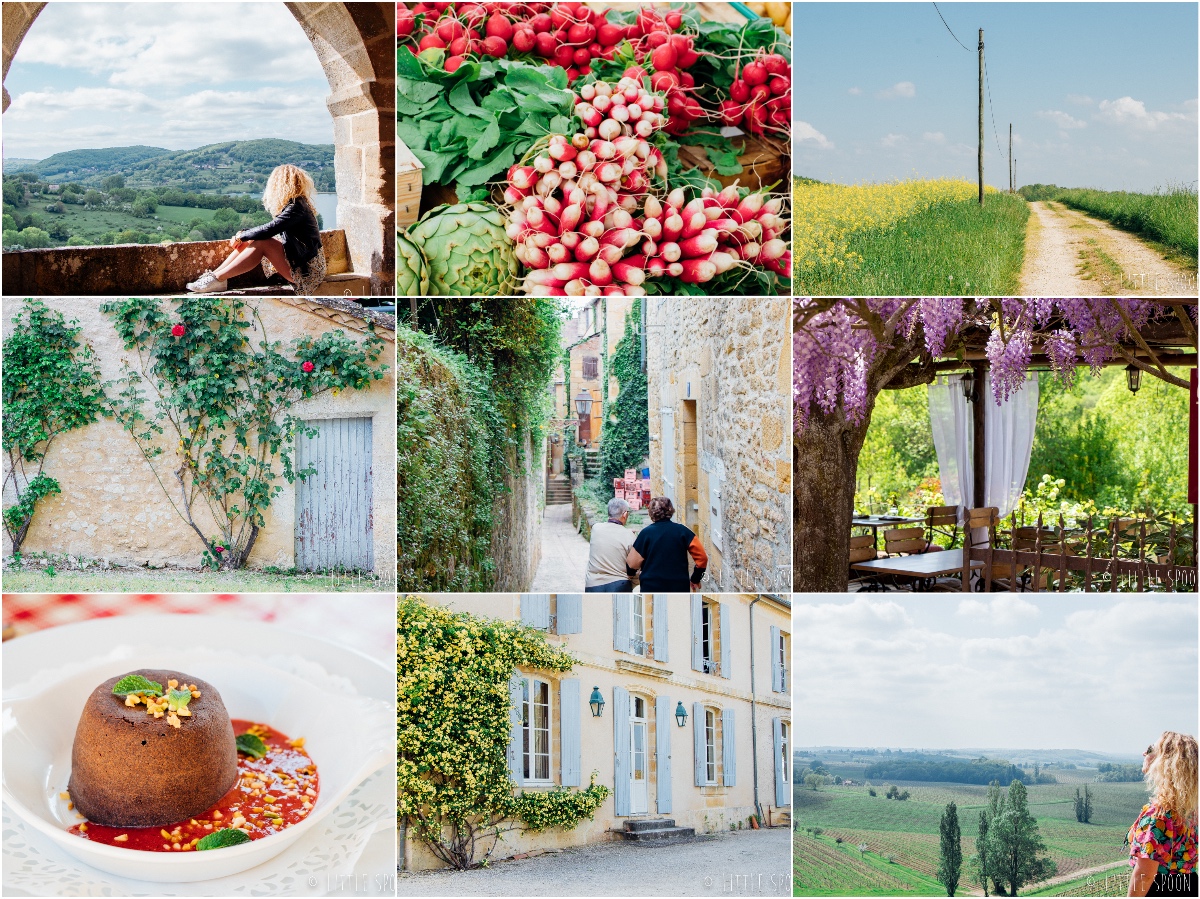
x,y
571,150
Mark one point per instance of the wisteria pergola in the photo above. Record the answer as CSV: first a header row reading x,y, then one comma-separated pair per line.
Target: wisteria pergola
x,y
845,351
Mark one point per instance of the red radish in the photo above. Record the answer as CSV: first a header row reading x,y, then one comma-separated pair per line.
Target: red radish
x,y
541,23
545,43
404,23
458,46
664,58
697,271
495,46
449,29
609,34
739,91
524,39
779,85
499,26
754,73
452,63
581,33
431,41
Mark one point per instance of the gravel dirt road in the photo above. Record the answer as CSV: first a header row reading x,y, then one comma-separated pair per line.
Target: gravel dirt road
x,y
745,863
1069,254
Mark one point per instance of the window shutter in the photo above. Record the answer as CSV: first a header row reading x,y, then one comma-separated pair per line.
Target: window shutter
x,y
729,747
622,622
725,638
662,750
698,740
535,610
569,721
570,613
781,790
697,633
622,760
659,615
516,766
776,668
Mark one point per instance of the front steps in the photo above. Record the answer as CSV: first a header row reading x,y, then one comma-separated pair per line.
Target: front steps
x,y
657,831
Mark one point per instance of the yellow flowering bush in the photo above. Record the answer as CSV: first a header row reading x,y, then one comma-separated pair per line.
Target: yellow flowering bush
x,y
452,720
825,216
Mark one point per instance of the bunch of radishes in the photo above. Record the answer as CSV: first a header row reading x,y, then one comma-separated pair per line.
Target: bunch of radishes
x,y
760,97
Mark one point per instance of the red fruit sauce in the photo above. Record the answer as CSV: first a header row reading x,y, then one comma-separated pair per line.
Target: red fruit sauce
x,y
282,763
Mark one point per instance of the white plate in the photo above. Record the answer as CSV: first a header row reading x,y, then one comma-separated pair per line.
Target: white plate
x,y
341,702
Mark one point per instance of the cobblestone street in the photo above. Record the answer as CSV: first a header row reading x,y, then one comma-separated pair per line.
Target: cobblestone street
x,y
564,554
746,863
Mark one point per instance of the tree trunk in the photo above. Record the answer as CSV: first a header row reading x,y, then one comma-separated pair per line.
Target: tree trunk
x,y
824,472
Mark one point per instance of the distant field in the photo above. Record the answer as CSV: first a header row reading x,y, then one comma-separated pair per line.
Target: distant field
x,y
820,867
904,238
183,214
1168,216
908,830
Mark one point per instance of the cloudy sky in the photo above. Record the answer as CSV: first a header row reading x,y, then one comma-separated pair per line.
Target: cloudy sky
x,y
1002,671
1100,94
173,75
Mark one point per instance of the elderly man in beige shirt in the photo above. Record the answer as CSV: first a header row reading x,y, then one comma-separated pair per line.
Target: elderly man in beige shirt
x,y
611,540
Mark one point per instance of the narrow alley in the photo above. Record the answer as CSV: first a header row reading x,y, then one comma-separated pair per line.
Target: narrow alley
x,y
564,554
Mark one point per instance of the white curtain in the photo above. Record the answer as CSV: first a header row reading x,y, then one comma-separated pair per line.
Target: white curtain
x,y
953,439
1009,428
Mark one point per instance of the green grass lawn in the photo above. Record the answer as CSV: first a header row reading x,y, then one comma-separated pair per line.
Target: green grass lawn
x,y
185,581
950,249
183,214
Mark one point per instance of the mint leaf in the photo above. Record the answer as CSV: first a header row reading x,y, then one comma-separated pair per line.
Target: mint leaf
x,y
220,839
178,699
135,683
252,746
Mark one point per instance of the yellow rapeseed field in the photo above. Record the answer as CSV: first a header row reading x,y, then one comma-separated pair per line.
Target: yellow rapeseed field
x,y
826,216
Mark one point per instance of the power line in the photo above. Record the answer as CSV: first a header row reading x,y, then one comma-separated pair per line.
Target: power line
x,y
952,34
995,133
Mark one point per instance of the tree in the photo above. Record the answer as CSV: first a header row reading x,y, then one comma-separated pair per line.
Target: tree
x,y
1017,843
950,850
93,198
845,351
51,386
814,780
144,207
979,861
112,182
34,238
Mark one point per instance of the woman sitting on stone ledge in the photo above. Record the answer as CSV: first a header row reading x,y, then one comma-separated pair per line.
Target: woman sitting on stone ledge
x,y
289,244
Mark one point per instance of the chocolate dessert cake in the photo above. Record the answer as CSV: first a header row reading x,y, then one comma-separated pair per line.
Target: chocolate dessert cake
x,y
141,760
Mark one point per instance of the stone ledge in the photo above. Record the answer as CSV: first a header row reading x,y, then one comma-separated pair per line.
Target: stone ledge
x,y
140,269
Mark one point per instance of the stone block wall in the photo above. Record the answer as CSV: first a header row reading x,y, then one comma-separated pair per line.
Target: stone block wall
x,y
728,362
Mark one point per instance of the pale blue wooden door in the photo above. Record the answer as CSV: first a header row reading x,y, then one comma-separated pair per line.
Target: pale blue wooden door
x,y
333,506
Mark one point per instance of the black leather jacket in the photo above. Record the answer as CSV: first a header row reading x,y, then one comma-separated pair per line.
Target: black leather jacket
x,y
297,224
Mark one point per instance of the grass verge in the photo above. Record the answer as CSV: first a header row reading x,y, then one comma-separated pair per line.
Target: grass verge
x,y
186,581
1168,216
1110,882
948,249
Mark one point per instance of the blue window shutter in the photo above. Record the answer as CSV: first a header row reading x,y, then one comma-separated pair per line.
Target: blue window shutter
x,y
729,747
697,633
776,669
726,640
516,763
659,616
622,622
781,787
570,613
568,725
662,749
700,745
535,610
622,753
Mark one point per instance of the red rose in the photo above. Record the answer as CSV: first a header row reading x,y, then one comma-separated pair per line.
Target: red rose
x,y
307,366
178,331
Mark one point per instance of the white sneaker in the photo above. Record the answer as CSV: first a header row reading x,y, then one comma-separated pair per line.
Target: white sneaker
x,y
207,283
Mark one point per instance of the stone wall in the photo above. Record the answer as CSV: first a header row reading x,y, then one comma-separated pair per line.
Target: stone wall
x,y
517,538
725,364
112,507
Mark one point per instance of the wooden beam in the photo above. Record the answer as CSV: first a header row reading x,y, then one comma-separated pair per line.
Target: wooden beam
x,y
979,427
917,373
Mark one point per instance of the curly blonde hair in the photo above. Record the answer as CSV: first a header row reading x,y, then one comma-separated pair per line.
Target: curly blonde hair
x,y
287,183
1171,776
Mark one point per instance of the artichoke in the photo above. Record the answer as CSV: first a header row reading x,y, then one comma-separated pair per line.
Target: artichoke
x,y
412,271
467,250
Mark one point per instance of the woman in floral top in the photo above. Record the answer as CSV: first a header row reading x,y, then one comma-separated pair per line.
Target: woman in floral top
x,y
1162,842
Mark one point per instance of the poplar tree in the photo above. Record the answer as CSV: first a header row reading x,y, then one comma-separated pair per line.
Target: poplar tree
x,y
950,855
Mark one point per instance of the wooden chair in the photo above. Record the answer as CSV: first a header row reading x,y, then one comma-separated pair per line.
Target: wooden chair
x,y
985,518
904,541
1027,539
862,549
941,521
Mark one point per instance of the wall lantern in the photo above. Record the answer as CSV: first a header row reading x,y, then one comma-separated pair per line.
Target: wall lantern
x,y
596,702
1134,376
968,386
583,403
680,714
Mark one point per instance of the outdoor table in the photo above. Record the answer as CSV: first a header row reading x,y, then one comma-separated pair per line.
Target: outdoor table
x,y
921,566
875,522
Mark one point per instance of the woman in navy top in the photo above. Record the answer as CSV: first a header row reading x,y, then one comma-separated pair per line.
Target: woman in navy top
x,y
661,551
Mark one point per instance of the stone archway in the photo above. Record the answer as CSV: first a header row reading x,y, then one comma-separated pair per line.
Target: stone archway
x,y
356,45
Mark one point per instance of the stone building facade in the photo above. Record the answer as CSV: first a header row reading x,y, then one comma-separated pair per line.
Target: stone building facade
x,y
111,506
723,661
718,388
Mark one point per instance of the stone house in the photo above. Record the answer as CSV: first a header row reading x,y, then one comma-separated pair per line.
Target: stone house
x,y
696,722
112,508
719,396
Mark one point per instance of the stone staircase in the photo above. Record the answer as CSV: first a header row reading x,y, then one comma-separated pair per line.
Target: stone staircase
x,y
657,831
558,491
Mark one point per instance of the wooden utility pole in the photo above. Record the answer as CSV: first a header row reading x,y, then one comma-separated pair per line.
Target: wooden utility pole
x,y
1010,170
980,116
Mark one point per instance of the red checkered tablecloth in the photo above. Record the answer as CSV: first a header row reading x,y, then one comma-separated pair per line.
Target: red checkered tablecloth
x,y
365,622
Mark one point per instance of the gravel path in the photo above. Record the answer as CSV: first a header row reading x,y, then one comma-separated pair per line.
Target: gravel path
x,y
564,554
745,863
1062,259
